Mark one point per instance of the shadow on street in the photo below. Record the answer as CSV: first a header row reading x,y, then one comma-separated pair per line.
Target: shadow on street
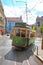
x,y
20,56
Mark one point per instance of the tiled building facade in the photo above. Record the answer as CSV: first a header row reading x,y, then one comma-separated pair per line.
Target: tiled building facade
x,y
10,22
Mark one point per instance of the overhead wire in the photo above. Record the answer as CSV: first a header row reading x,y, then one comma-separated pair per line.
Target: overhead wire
x,y
13,6
29,10
33,7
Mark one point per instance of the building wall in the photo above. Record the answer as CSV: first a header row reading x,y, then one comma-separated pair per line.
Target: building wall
x,y
39,21
2,18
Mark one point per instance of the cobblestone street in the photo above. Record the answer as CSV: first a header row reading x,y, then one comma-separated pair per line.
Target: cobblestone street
x,y
9,56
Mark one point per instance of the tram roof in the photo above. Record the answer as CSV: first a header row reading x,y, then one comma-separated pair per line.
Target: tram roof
x,y
22,25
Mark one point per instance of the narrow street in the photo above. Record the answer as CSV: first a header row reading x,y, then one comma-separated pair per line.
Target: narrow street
x,y
9,56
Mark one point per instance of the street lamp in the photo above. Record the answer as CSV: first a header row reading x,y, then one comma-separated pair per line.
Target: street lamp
x,y
26,10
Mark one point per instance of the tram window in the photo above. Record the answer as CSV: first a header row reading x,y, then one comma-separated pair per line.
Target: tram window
x,y
23,33
17,31
27,33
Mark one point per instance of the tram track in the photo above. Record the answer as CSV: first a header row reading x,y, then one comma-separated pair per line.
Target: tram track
x,y
27,61
22,58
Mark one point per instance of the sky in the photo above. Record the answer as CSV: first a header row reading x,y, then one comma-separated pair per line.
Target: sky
x,y
17,8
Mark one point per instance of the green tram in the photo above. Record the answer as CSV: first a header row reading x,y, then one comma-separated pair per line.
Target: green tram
x,y
22,36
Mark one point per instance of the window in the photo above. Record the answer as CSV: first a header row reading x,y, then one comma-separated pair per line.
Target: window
x,y
38,23
17,31
28,33
23,33
1,19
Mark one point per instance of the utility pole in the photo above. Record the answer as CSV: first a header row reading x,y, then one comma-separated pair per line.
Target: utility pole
x,y
26,14
25,10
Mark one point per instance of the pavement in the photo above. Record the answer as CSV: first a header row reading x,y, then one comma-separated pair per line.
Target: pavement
x,y
0,36
11,56
38,42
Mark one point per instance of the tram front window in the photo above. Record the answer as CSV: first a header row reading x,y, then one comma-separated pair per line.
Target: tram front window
x,y
27,33
17,32
23,33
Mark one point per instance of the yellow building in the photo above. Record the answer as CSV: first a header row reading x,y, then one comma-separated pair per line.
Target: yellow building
x,y
2,19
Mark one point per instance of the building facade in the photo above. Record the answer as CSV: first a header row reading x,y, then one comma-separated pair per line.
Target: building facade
x,y
39,21
2,19
10,22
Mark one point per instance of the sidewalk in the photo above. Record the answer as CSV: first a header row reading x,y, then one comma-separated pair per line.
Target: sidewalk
x,y
0,36
38,51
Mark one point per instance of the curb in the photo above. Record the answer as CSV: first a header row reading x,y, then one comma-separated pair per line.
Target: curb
x,y
39,57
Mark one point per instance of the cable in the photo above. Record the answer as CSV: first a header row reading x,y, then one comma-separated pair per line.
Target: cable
x,y
31,8
36,4
13,6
